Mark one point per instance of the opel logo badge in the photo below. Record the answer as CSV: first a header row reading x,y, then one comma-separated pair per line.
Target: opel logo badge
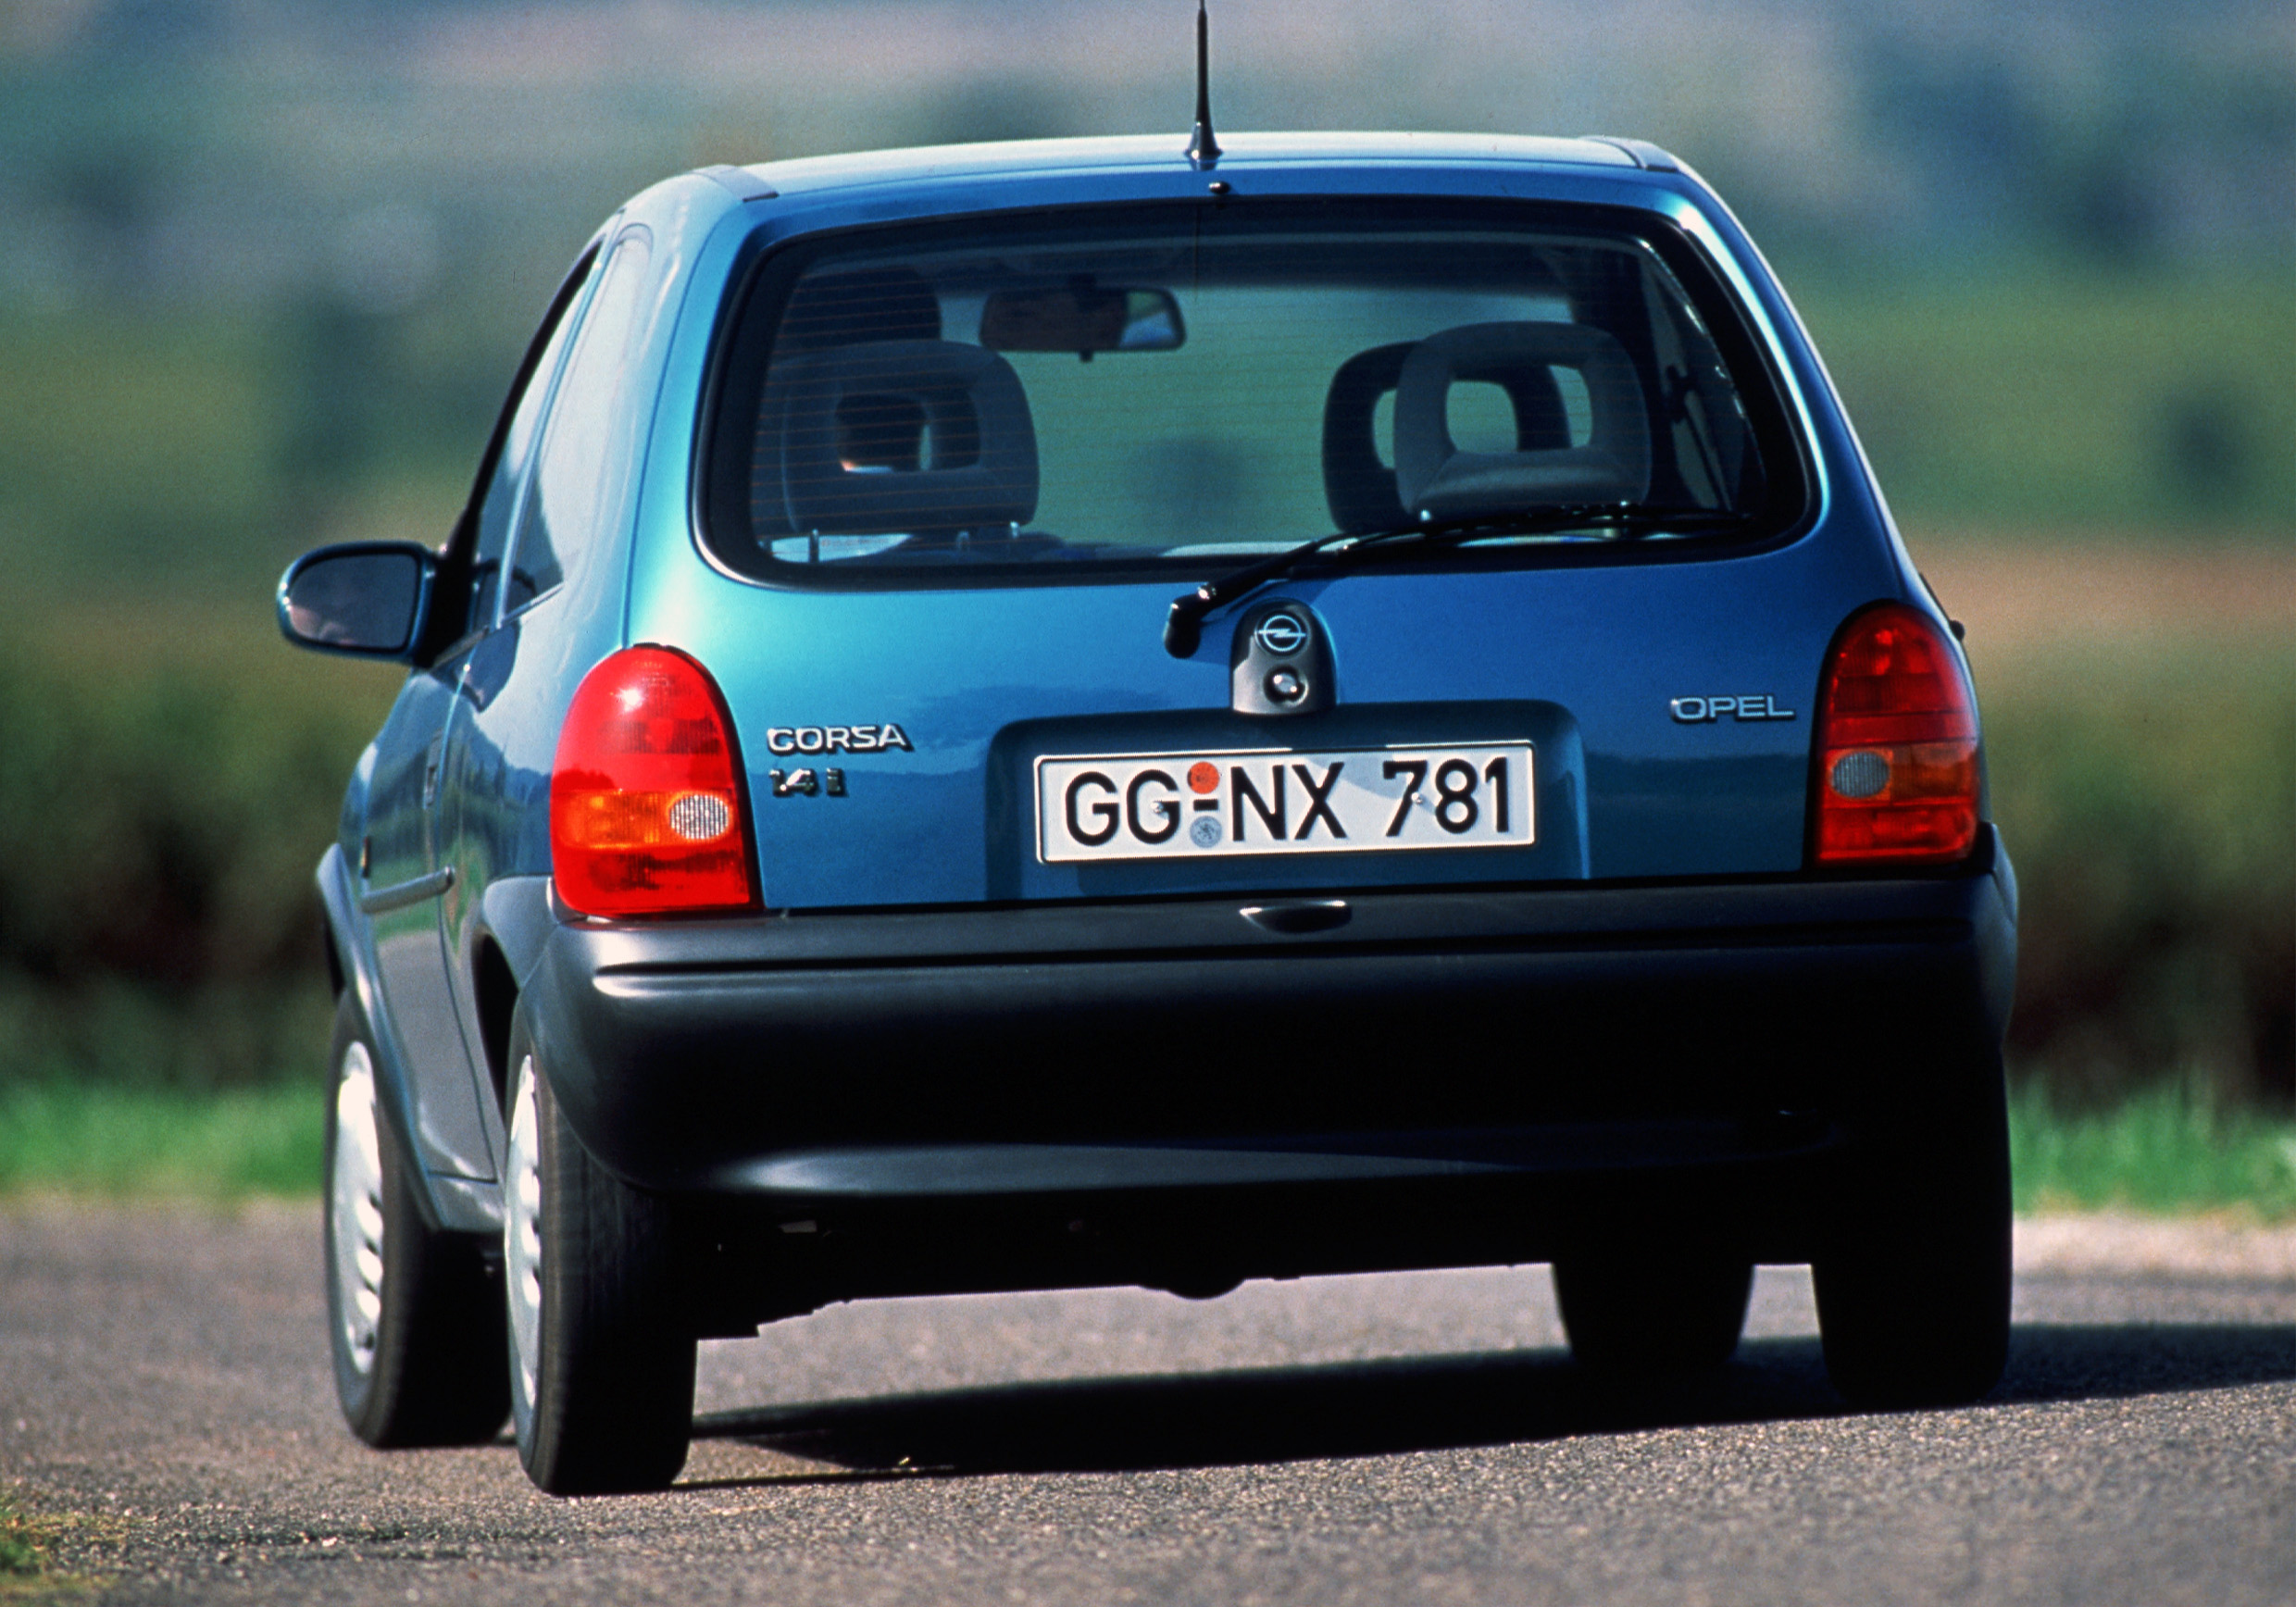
x,y
1281,634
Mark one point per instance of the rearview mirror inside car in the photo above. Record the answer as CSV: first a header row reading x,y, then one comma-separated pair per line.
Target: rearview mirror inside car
x,y
362,598
1082,320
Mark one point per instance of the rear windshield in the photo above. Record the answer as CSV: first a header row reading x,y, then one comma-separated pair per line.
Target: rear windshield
x,y
1173,388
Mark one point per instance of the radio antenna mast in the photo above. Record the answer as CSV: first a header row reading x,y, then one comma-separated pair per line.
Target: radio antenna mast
x,y
1202,149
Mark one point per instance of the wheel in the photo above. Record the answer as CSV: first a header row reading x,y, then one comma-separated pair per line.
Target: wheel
x,y
1913,1290
602,1364
414,1315
1653,1313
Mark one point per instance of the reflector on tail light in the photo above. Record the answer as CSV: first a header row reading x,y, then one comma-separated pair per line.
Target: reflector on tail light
x,y
1897,744
645,797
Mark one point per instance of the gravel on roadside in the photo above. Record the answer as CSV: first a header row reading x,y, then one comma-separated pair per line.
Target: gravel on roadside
x,y
2119,1243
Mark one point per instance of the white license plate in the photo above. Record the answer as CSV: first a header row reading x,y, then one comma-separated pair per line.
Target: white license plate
x,y
1204,805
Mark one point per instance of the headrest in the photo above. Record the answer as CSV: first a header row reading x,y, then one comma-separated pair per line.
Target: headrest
x,y
937,435
1433,476
1357,482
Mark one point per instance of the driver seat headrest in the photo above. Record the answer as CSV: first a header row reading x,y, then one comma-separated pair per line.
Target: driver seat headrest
x,y
1435,478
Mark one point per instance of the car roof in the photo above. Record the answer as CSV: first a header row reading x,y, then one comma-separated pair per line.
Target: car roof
x,y
1151,152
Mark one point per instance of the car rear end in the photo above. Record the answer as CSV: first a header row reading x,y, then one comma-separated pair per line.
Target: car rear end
x,y
1580,854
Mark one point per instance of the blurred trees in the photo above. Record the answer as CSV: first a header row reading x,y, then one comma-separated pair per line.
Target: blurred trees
x,y
365,205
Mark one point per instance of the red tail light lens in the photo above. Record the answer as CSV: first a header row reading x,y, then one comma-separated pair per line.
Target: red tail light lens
x,y
1897,744
646,801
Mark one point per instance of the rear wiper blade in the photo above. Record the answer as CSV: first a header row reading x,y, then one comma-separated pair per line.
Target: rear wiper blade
x,y
1183,623
1625,519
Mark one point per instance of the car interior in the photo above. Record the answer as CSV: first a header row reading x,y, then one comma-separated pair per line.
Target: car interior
x,y
895,418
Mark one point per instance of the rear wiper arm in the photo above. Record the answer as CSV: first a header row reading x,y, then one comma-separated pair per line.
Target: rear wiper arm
x,y
1183,623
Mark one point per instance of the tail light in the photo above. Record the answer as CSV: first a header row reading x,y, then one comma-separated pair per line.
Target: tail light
x,y
1897,744
645,796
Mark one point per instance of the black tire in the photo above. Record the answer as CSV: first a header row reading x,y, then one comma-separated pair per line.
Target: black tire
x,y
1913,1290
1636,1311
600,1359
414,1315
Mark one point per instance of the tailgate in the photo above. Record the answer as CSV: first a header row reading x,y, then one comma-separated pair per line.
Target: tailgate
x,y
944,747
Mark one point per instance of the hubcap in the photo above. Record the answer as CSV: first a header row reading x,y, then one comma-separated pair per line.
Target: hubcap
x,y
355,1182
522,1230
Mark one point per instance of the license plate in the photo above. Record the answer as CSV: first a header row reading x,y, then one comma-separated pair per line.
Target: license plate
x,y
1205,805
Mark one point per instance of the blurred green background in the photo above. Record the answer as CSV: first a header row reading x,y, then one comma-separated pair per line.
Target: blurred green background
x,y
269,265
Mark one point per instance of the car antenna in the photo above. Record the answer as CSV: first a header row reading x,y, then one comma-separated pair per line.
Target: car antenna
x,y
1202,149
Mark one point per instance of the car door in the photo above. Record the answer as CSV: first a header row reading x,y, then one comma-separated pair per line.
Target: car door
x,y
407,878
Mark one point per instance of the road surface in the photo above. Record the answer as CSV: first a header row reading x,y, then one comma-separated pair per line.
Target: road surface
x,y
1417,1438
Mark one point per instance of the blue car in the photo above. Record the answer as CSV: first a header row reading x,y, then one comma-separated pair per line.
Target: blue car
x,y
1082,712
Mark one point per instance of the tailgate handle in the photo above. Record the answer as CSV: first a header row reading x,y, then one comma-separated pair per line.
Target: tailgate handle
x,y
1305,916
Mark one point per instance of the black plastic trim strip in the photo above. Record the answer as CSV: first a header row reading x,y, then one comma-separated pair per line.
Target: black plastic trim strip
x,y
1495,921
399,894
745,184
1649,157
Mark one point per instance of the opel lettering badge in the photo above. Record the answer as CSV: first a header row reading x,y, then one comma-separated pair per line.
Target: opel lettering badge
x,y
1700,711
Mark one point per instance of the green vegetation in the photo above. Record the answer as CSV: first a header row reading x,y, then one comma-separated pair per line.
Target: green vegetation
x,y
2147,793
149,454
34,1566
171,778
2057,401
102,443
96,1138
2165,1150
25,1542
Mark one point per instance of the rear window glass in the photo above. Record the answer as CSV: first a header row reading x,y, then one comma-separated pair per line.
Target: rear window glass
x,y
1172,387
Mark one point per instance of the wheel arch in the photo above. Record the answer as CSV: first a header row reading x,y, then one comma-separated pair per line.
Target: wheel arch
x,y
495,992
515,921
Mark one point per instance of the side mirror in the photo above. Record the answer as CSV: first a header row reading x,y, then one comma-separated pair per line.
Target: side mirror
x,y
368,599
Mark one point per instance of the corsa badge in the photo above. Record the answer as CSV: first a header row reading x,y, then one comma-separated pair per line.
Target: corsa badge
x,y
836,739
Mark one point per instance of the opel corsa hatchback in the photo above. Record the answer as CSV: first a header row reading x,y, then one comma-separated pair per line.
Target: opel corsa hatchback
x,y
1024,717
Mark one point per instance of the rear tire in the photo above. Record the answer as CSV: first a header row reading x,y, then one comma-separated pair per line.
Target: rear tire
x,y
601,1360
414,1315
1913,1294
1634,1310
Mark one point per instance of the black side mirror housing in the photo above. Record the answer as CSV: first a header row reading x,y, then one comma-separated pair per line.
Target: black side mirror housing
x,y
365,599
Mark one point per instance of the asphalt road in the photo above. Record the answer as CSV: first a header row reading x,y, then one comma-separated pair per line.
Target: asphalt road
x,y
1414,1438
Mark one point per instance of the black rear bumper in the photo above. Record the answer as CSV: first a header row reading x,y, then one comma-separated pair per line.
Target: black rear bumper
x,y
1169,1050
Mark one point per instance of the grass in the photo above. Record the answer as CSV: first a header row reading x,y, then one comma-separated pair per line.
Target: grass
x,y
31,1566
2168,1151
108,1141
2059,399
27,1544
